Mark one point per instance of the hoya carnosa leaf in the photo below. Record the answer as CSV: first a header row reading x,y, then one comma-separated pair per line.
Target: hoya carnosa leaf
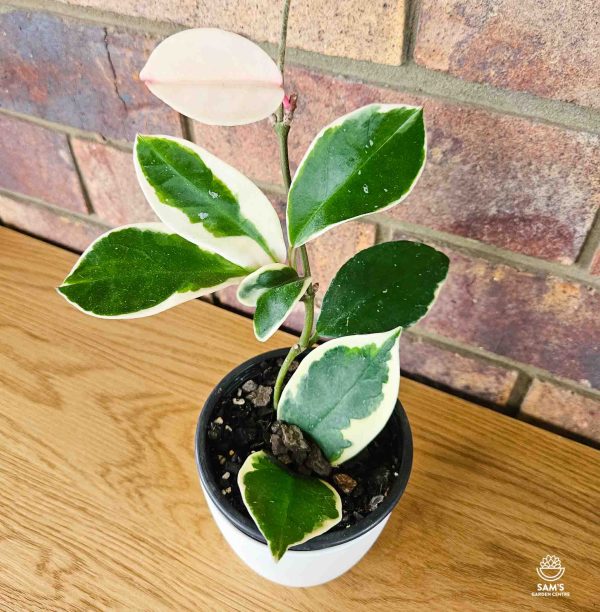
x,y
263,279
275,305
389,285
140,270
215,77
287,508
343,392
207,201
364,162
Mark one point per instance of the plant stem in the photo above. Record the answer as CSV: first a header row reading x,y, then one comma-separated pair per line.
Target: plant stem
x,y
282,129
282,47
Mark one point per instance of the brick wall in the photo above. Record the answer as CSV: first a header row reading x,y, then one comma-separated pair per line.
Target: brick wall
x,y
511,190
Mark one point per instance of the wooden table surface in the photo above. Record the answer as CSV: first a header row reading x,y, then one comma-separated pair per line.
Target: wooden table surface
x,y
100,506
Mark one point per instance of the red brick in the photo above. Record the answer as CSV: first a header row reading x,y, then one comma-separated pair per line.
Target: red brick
x,y
251,149
37,162
145,113
254,150
79,74
548,48
331,250
526,187
111,183
50,223
532,318
563,408
473,377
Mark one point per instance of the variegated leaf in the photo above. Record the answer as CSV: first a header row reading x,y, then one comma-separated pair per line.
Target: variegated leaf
x,y
207,201
344,392
140,270
263,279
287,508
275,305
364,162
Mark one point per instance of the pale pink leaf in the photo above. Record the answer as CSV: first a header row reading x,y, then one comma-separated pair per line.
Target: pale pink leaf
x,y
214,76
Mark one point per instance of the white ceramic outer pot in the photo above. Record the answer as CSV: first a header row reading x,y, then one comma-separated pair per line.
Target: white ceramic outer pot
x,y
297,568
321,559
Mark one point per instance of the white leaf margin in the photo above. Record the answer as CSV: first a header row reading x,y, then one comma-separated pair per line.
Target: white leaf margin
x,y
383,108
326,525
361,431
170,302
254,206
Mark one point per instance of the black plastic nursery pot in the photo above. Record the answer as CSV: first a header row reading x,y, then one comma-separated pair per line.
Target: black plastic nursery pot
x,y
213,488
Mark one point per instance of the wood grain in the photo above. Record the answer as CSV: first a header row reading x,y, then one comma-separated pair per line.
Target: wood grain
x,y
100,506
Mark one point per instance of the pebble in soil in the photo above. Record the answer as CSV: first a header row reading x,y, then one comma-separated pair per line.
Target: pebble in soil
x,y
244,422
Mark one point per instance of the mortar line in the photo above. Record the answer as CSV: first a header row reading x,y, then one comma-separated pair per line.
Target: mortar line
x,y
82,182
187,128
494,254
504,409
526,371
590,244
411,28
36,202
408,77
75,132
417,80
272,188
519,391
382,234
529,370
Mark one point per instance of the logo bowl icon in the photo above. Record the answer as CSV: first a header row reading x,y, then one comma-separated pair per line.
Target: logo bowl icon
x,y
550,568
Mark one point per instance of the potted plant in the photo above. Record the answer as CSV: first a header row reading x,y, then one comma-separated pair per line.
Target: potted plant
x,y
302,453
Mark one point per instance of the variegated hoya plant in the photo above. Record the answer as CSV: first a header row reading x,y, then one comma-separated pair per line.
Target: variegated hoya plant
x,y
218,229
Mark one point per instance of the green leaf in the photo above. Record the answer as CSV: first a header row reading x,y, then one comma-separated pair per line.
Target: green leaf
x,y
287,508
275,305
207,201
383,287
267,277
140,270
364,162
344,392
